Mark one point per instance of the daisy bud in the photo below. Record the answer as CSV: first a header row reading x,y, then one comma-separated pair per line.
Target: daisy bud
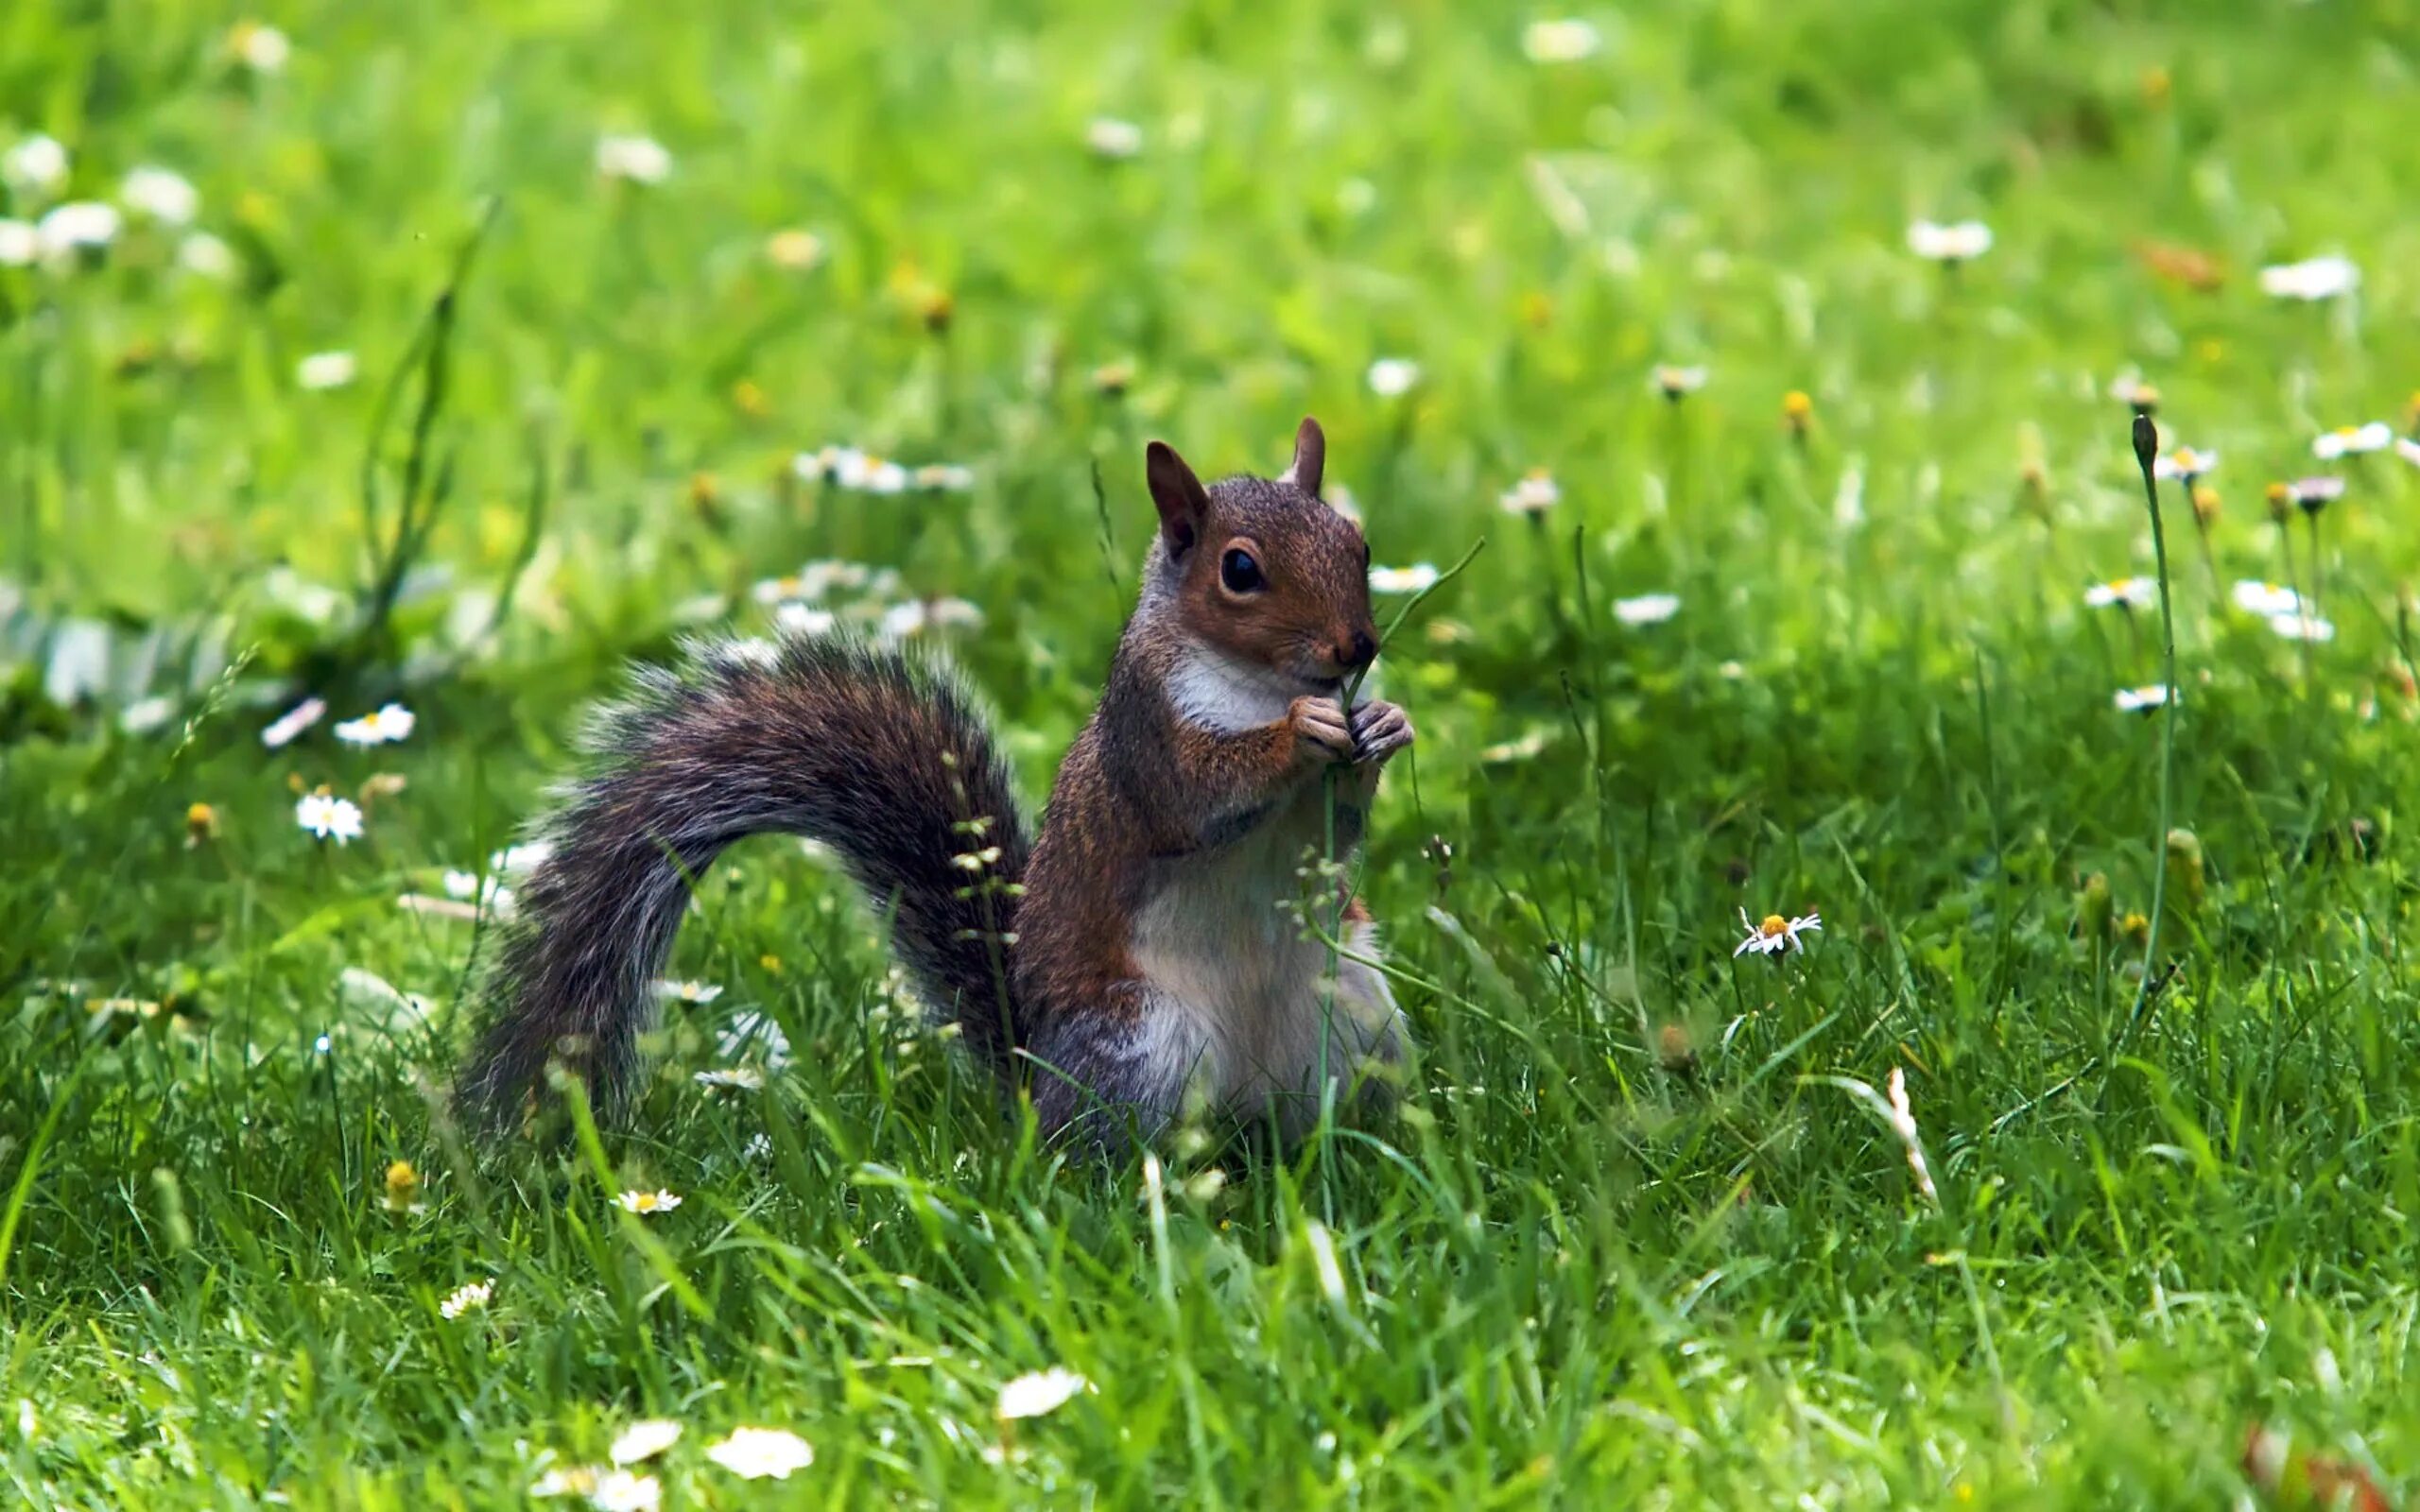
x,y
1112,379
2281,501
2206,506
1673,1049
2092,909
201,825
2187,877
1797,411
2137,928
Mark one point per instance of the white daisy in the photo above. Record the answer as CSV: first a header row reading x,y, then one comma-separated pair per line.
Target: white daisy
x,y
1959,242
1773,933
953,614
626,1491
636,159
2185,464
1523,749
758,1453
644,1440
2314,494
160,194
323,371
282,729
646,1203
523,857
488,892
759,1147
2320,278
735,1079
565,1480
2407,449
1039,1392
330,818
1392,377
1109,137
78,227
758,1032
1534,495
672,991
2300,626
804,620
468,1297
2140,700
1647,609
2347,440
2129,592
944,477
35,167
1411,580
20,243
205,256
389,723
1674,383
2265,599
262,49
1560,42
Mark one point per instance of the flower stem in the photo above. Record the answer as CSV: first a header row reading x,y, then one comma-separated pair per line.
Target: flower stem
x,y
2146,451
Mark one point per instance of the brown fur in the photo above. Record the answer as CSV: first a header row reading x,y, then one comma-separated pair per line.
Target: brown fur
x,y
882,756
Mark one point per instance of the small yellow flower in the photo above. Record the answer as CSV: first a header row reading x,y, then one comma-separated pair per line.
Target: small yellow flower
x,y
2135,927
1797,410
2206,506
748,397
2156,84
403,1187
201,824
2281,501
1112,379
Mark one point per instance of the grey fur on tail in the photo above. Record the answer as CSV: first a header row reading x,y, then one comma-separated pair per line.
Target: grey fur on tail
x,y
876,753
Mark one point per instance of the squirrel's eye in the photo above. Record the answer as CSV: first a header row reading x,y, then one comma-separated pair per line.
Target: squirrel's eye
x,y
1240,573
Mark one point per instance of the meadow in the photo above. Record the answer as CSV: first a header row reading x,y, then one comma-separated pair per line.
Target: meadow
x,y
446,358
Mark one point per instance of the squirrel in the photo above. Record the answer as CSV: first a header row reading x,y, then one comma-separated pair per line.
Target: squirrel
x,y
1131,964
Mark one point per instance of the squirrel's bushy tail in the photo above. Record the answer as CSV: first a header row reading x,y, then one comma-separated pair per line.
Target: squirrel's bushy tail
x,y
881,756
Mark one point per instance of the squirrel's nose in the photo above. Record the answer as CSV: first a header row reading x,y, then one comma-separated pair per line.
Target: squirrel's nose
x,y
1360,652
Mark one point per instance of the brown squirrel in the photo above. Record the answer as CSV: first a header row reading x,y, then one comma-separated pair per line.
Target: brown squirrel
x,y
1138,955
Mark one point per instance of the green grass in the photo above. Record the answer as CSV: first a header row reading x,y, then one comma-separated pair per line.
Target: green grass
x,y
1581,1268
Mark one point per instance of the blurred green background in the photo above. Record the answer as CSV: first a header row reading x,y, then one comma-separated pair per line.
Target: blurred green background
x,y
1629,1244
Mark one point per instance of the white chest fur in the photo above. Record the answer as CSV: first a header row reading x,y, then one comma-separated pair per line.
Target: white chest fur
x,y
1244,1008
1213,691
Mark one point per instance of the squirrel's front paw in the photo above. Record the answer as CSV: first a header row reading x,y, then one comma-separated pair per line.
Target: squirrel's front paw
x,y
1321,732
1379,730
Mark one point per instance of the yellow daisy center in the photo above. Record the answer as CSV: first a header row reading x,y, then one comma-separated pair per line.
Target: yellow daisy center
x,y
1773,925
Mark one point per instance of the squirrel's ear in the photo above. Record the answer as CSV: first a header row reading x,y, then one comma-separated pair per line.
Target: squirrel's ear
x,y
1184,505
1310,458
